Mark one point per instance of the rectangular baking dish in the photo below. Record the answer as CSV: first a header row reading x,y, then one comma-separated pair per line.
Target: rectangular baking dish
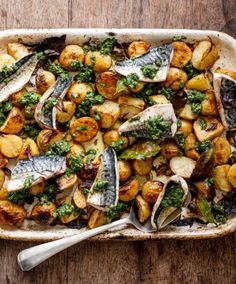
x,y
227,50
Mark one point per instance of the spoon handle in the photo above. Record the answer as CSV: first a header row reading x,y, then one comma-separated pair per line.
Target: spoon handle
x,y
31,257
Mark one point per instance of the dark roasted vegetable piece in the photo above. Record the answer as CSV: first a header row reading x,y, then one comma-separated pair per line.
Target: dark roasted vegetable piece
x,y
204,166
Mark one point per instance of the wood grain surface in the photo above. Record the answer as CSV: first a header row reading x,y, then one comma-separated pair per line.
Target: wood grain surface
x,y
205,261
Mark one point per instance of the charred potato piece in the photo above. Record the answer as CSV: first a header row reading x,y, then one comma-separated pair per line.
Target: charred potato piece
x,y
187,113
125,170
106,85
16,97
142,167
227,72
213,128
176,78
204,55
232,175
83,129
67,112
108,112
130,106
189,147
220,178
209,105
222,150
10,145
100,62
182,166
6,60
37,188
138,48
78,91
14,122
182,54
29,148
70,54
151,190
159,99
144,210
79,199
169,149
11,214
97,219
44,213
67,182
17,50
129,190
44,80
200,83
186,127
47,137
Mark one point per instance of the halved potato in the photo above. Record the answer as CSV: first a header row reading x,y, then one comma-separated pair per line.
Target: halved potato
x,y
97,219
10,145
16,97
102,62
209,106
220,178
187,113
129,190
44,80
83,129
231,175
189,147
137,48
6,60
125,170
78,91
144,210
186,127
130,106
37,188
96,144
169,149
176,79
17,50
65,182
69,54
200,83
29,148
142,167
76,149
106,85
47,137
67,112
182,54
151,190
182,166
222,150
79,199
14,122
44,213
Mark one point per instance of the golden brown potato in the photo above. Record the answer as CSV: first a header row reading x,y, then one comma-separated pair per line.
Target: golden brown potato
x,y
70,54
75,149
222,150
209,106
204,55
112,136
11,214
200,83
101,62
2,178
79,199
44,213
6,60
142,167
83,129
130,106
151,190
226,71
213,128
187,113
67,112
204,188
65,182
47,137
16,97
125,170
106,85
182,166
186,127
176,78
96,143
29,148
14,122
159,99
116,125
182,54
144,210
129,190
189,147
78,91
169,149
44,80
3,161
10,145
97,219
231,175
137,48
3,193
138,88
17,50
37,188
220,178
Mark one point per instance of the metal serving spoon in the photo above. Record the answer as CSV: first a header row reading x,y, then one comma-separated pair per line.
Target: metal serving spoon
x,y
31,257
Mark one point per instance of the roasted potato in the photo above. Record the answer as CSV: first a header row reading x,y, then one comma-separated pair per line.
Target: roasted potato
x,y
44,213
44,80
200,83
137,48
187,113
186,127
37,188
169,149
182,166
176,79
182,54
3,161
129,190
130,106
47,137
213,128
65,114
70,54
67,182
106,85
76,149
108,112
100,62
138,87
6,60
189,147
144,210
159,99
204,189
96,143
204,166
29,148
3,193
231,175
222,150
220,178
16,97
227,72
79,199
111,136
78,91
142,167
97,219
151,190
125,170
209,106
204,55
10,145
17,50
2,178
14,122
11,214
83,129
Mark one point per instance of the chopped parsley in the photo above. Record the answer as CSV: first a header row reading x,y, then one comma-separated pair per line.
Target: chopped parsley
x,y
107,45
149,71
23,195
57,70
156,127
58,148
75,165
118,145
209,181
49,193
114,212
180,140
81,128
91,154
147,91
179,123
195,99
85,74
178,38
173,196
131,80
202,123
100,185
203,146
32,130
64,209
167,92
96,116
5,107
190,70
29,99
49,104
219,213
27,182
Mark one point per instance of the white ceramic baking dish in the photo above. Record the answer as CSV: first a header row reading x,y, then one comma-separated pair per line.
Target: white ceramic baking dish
x,y
227,50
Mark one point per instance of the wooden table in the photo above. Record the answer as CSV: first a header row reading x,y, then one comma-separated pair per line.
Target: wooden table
x,y
206,261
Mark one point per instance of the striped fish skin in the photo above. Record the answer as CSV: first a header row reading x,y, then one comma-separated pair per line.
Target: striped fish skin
x,y
108,171
58,91
162,54
15,82
39,168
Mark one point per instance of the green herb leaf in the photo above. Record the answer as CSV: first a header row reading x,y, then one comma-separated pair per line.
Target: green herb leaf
x,y
173,196
64,209
203,146
195,99
58,148
149,71
29,98
100,185
205,210
202,123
